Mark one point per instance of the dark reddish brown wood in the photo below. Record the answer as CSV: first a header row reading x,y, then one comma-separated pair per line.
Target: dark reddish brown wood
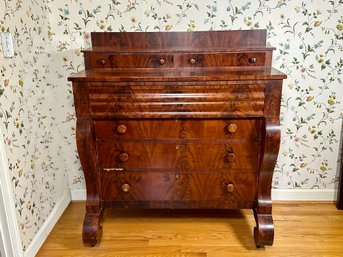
x,y
196,40
178,120
179,155
179,186
246,130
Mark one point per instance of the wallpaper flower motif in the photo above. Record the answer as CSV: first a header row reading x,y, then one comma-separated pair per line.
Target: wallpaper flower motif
x,y
27,116
308,36
36,104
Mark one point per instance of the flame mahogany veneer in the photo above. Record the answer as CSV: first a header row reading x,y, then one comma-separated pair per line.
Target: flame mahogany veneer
x,y
178,120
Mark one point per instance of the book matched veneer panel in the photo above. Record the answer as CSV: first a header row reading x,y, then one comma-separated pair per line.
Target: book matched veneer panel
x,y
241,130
155,100
229,187
177,155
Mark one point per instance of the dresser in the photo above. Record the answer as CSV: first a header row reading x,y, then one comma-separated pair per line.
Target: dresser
x,y
178,120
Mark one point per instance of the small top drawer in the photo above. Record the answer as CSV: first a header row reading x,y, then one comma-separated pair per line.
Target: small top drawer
x,y
221,59
129,61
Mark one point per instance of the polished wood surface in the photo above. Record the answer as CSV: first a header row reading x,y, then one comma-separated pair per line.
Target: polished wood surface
x,y
237,130
177,75
303,229
192,40
178,120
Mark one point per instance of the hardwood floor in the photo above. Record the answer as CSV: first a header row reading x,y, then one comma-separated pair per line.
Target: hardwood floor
x,y
301,229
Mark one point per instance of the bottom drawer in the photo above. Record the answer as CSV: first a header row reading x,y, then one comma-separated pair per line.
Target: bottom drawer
x,y
172,186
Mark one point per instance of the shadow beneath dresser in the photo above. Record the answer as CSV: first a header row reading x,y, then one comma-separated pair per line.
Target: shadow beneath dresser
x,y
185,227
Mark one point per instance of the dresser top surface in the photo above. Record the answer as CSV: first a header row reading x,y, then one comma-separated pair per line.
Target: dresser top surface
x,y
190,74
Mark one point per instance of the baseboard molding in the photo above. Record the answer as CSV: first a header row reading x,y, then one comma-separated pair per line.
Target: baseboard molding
x,y
303,194
277,194
78,194
48,225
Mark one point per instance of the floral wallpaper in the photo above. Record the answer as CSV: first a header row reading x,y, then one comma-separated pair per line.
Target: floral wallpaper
x,y
28,119
308,36
36,104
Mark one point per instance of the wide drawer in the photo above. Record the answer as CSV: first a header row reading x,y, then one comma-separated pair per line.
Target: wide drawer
x,y
178,156
170,186
247,130
124,100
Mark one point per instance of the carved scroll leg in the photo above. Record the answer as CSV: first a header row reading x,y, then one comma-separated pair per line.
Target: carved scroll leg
x,y
92,231
264,230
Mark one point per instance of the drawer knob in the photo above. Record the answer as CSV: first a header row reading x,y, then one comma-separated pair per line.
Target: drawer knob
x,y
102,62
192,61
231,157
124,157
232,128
162,61
125,187
253,60
230,187
122,129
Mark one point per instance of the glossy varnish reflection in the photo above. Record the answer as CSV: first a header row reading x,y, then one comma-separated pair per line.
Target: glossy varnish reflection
x,y
178,120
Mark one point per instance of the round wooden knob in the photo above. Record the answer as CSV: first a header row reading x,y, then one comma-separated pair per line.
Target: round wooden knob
x,y
102,61
125,187
231,157
232,128
253,59
192,61
124,157
230,187
121,129
162,61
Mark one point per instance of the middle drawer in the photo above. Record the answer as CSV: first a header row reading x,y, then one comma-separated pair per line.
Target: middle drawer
x,y
162,156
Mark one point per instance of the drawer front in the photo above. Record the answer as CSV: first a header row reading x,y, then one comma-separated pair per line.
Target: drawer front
x,y
221,60
131,61
169,186
158,156
238,129
194,101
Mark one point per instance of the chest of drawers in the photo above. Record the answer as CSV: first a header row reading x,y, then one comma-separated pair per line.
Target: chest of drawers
x,y
178,120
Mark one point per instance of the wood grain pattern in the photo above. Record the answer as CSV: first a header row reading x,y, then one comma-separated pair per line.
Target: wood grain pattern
x,y
177,155
192,40
108,100
179,186
178,120
134,60
247,130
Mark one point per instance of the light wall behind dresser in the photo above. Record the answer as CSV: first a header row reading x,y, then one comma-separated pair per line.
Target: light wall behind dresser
x,y
36,104
308,38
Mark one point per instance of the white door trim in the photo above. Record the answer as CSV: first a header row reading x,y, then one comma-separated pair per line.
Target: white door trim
x,y
10,235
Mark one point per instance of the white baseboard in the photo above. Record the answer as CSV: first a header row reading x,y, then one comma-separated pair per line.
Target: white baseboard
x,y
48,225
303,194
277,194
78,194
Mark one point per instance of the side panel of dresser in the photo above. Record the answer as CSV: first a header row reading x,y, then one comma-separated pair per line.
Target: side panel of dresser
x,y
264,230
85,140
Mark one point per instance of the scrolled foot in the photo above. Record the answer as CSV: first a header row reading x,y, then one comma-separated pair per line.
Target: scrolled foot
x,y
92,231
264,230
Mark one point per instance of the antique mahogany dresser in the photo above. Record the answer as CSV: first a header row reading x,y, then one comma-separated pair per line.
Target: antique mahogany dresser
x,y
178,120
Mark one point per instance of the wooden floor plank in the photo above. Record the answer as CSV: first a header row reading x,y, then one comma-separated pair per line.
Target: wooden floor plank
x,y
301,229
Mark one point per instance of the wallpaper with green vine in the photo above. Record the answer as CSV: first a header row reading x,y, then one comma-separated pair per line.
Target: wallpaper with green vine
x,y
36,103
